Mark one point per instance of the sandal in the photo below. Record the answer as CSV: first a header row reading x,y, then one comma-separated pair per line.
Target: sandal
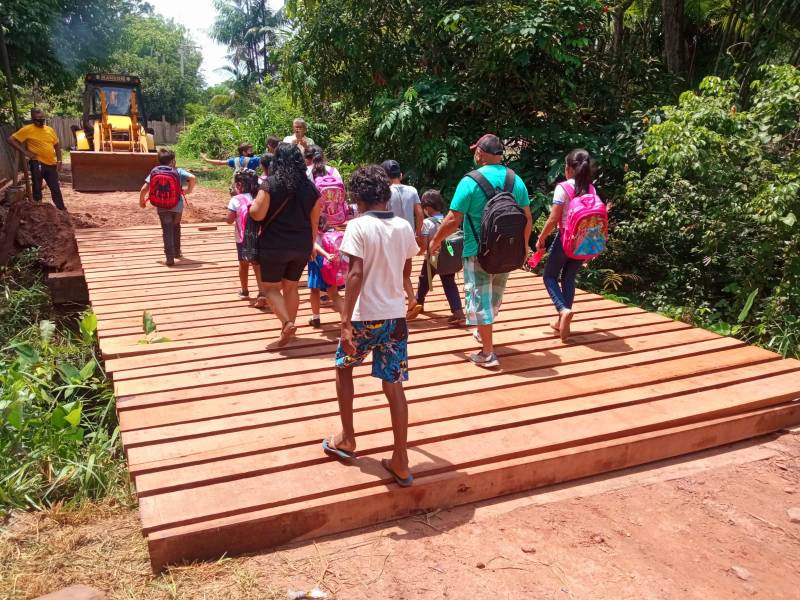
x,y
386,464
329,448
261,301
287,333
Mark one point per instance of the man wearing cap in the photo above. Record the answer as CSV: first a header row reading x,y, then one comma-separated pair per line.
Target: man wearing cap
x,y
483,291
405,204
39,143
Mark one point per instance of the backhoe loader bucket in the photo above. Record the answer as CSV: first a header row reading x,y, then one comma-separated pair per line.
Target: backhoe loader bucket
x,y
111,171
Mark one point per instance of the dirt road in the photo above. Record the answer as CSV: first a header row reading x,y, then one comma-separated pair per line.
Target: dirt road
x,y
713,525
121,209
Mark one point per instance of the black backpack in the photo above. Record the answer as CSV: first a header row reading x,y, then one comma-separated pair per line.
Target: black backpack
x,y
501,244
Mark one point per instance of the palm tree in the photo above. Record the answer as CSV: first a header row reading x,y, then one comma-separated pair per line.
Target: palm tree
x,y
251,30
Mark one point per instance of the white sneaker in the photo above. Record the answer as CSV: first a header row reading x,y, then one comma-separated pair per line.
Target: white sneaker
x,y
487,361
477,335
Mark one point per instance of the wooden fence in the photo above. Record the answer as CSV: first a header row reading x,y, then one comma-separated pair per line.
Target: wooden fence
x,y
165,133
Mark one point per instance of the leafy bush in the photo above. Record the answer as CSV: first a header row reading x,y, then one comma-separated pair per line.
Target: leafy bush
x,y
58,435
217,136
269,112
712,226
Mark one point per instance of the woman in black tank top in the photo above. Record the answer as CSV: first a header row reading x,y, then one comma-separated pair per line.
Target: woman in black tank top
x,y
288,206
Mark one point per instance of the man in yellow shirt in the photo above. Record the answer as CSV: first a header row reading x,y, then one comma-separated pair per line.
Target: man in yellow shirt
x,y
39,143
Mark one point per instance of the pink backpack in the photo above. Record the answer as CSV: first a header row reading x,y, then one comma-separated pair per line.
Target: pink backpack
x,y
334,272
333,200
242,212
585,229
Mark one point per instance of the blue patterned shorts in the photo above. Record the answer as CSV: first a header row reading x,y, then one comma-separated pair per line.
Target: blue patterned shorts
x,y
388,341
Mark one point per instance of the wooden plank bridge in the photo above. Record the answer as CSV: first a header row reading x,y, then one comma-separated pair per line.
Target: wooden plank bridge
x,y
222,436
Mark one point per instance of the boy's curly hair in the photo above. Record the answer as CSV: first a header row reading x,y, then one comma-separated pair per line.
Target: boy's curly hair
x,y
370,185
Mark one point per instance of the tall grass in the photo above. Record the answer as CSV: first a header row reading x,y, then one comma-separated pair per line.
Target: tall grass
x,y
59,439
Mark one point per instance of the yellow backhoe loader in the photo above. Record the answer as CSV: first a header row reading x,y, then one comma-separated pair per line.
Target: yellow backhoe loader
x,y
114,150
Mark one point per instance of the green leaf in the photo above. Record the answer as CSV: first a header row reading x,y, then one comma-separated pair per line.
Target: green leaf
x,y
46,329
88,325
26,354
13,414
160,340
747,306
73,417
57,419
789,219
88,370
148,324
69,372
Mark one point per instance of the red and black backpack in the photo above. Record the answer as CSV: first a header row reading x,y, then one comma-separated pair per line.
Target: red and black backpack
x,y
165,187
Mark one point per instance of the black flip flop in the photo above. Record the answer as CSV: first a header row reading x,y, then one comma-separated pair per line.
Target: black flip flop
x,y
401,482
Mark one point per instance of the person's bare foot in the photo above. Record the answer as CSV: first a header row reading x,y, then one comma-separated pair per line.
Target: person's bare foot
x,y
564,323
342,443
400,467
554,324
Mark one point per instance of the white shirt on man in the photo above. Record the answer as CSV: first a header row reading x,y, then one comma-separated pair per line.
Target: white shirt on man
x,y
290,139
384,242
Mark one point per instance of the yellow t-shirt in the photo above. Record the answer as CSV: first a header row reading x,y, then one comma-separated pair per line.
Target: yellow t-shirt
x,y
40,140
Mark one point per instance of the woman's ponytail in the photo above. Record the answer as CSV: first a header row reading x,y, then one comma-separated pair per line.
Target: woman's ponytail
x,y
580,162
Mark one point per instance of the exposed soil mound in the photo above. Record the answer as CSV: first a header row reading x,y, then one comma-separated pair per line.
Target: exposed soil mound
x,y
33,224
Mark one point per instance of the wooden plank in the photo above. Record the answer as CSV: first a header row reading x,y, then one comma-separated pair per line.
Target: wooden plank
x,y
322,516
299,441
286,407
245,352
430,370
222,436
453,445
686,364
116,348
448,341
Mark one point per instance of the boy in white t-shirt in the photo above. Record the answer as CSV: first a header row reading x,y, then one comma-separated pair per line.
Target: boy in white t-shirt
x,y
380,246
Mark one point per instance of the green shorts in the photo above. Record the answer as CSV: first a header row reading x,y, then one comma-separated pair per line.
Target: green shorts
x,y
483,292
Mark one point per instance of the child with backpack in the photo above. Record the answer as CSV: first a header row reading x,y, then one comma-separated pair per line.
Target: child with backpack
x,y
432,206
326,271
582,221
332,196
164,189
245,184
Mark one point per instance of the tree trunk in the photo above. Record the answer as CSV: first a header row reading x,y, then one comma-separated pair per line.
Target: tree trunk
x,y
618,17
674,44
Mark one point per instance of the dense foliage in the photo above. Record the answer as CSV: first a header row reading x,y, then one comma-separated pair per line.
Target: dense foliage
x,y
270,113
162,54
711,225
53,43
58,433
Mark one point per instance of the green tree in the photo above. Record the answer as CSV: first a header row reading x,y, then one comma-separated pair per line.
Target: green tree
x,y
712,223
163,55
51,43
251,30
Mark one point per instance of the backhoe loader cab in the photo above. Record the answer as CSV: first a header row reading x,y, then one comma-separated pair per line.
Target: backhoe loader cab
x,y
113,150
